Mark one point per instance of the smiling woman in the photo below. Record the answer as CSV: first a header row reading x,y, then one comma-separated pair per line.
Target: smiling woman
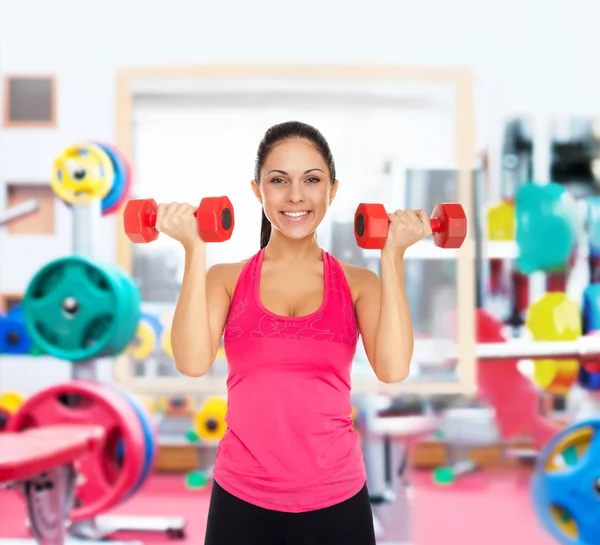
x,y
283,192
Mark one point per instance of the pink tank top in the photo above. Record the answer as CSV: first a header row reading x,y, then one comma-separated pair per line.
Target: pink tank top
x,y
290,445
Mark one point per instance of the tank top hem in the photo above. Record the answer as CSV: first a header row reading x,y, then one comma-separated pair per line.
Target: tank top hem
x,y
259,501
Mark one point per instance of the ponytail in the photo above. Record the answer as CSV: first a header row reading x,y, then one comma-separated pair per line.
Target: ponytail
x,y
265,231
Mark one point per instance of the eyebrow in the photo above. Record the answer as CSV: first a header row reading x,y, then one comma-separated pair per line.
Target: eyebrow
x,y
285,173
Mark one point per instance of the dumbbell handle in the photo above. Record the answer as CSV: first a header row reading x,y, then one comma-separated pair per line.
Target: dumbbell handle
x,y
152,219
436,225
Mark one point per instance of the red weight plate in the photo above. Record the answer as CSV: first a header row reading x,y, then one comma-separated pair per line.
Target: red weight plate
x,y
128,184
105,478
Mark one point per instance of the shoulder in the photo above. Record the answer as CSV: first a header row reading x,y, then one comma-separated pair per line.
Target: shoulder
x,y
226,274
360,279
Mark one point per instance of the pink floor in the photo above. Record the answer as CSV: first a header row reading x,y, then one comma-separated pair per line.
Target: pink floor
x,y
492,508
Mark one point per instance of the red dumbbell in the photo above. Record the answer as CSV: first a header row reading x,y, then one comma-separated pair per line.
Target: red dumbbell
x,y
214,217
448,225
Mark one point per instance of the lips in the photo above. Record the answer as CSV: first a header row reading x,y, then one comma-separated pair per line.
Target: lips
x,y
299,214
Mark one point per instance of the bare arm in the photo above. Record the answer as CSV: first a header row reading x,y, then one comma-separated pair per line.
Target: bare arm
x,y
384,319
200,315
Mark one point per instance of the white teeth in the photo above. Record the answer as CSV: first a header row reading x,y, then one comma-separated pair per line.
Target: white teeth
x,y
295,214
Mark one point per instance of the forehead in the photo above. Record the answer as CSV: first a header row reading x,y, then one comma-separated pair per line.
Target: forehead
x,y
295,152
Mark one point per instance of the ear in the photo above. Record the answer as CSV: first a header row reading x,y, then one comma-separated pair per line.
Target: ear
x,y
256,190
333,191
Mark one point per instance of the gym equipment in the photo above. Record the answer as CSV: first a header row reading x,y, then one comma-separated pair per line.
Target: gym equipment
x,y
554,317
566,485
18,211
150,439
214,217
501,221
177,405
546,227
14,337
448,224
590,308
165,342
144,342
514,397
82,173
209,420
10,403
40,464
76,310
122,180
593,225
106,481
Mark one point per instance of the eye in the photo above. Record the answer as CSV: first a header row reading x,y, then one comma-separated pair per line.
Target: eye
x,y
277,180
313,180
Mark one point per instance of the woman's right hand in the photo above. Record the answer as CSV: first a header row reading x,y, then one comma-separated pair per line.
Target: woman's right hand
x,y
177,220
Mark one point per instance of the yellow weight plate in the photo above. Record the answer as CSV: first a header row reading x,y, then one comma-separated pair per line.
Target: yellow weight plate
x,y
501,220
166,342
209,421
144,343
82,173
555,376
11,401
554,317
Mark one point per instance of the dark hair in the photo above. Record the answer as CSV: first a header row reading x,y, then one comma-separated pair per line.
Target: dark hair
x,y
277,134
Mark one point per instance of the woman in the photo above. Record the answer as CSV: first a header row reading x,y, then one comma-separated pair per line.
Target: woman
x,y
289,469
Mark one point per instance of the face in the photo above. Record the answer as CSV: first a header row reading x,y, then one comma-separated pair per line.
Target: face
x,y
295,188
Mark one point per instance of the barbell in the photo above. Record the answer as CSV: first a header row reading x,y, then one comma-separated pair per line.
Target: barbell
x,y
583,349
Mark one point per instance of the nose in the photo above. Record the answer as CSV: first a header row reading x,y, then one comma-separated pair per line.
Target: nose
x,y
296,193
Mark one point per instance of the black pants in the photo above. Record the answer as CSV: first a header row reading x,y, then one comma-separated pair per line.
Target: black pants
x,y
232,521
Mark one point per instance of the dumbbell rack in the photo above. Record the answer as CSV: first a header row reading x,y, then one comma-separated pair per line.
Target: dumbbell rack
x,y
86,229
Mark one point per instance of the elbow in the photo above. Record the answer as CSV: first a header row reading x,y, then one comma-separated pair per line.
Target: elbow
x,y
192,369
392,374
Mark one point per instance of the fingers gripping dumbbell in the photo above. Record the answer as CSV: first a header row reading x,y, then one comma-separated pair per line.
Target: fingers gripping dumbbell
x,y
214,217
448,225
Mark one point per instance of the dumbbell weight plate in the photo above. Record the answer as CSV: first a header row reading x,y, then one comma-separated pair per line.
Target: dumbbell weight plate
x,y
565,485
74,309
209,420
82,173
105,479
131,303
149,432
14,337
120,184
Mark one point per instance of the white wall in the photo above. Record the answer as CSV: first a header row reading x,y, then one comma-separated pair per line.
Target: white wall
x,y
526,55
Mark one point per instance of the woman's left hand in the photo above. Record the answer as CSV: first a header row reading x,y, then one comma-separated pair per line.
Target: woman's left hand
x,y
407,227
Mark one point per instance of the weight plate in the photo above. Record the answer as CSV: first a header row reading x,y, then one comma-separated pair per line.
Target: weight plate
x,y
566,485
14,337
127,185
150,438
11,401
165,342
144,343
103,479
82,173
209,420
119,182
74,309
130,309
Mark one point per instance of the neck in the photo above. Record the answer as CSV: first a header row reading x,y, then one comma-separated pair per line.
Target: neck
x,y
283,248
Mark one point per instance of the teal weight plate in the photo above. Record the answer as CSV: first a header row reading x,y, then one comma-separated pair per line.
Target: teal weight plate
x,y
130,310
73,308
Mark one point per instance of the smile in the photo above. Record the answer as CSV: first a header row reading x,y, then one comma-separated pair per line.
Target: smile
x,y
296,215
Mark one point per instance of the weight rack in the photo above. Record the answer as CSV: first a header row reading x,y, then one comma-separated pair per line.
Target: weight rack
x,y
86,229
